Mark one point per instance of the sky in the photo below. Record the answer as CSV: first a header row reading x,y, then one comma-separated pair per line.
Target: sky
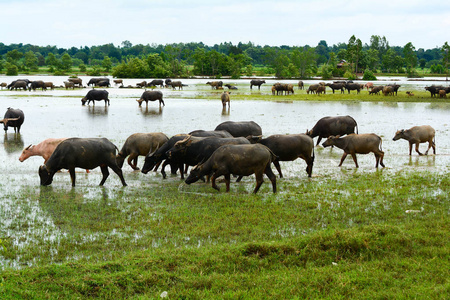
x,y
79,23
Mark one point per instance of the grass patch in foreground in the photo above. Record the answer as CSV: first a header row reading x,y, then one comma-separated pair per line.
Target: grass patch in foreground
x,y
365,236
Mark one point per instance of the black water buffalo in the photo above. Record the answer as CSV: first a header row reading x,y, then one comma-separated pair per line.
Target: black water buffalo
x,y
230,87
81,153
140,144
416,135
18,84
95,81
290,147
237,129
167,81
327,126
211,133
154,158
95,95
104,83
13,118
350,86
38,84
434,89
193,150
151,96
242,160
357,143
336,86
156,82
395,88
256,82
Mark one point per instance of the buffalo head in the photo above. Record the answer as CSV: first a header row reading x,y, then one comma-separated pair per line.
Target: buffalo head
x,y
45,175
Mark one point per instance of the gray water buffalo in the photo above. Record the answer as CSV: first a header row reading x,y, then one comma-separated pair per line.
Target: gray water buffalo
x,y
140,144
81,153
289,147
358,143
242,160
178,84
211,133
151,96
416,135
237,129
13,118
19,84
336,86
340,125
350,86
156,82
104,83
95,95
225,97
69,85
312,88
376,90
257,83
96,81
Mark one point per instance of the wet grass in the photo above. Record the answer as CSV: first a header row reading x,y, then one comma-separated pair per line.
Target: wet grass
x,y
364,235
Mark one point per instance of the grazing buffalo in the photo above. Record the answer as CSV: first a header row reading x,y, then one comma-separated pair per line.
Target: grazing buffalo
x,y
442,94
336,86
434,89
215,84
139,144
38,84
237,129
118,81
225,97
49,85
141,84
350,86
395,88
321,89
368,85
167,82
376,90
290,147
151,96
19,84
69,84
312,88
194,150
76,82
388,90
178,84
211,133
95,95
154,158
3,84
13,118
44,149
256,82
327,126
81,153
104,83
358,143
156,82
230,87
283,87
243,160
96,81
300,85
417,135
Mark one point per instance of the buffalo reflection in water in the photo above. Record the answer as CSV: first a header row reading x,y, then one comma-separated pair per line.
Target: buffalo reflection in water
x,y
13,142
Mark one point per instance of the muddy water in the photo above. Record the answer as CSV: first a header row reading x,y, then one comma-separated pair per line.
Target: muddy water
x,y
59,114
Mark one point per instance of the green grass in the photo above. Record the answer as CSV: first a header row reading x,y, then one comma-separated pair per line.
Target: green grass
x,y
364,236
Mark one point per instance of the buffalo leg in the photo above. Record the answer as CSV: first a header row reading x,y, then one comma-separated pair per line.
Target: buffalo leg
x,y
213,182
72,175
276,163
410,148
119,173
105,173
272,177
381,158
132,161
417,148
318,140
239,178
354,159
227,182
259,181
343,158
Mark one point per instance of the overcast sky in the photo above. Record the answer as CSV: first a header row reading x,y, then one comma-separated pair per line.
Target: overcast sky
x,y
61,23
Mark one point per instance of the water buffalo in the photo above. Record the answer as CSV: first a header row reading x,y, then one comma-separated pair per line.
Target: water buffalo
x,y
237,129
225,97
395,88
417,135
19,84
290,147
167,81
350,86
209,133
368,85
13,118
215,84
376,90
44,149
230,87
357,143
151,96
388,90
49,85
141,84
178,84
3,84
104,83
321,89
96,81
327,126
95,95
118,81
82,153
69,84
336,86
312,88
442,94
300,85
36,85
256,82
76,82
243,160
139,144
156,82
434,89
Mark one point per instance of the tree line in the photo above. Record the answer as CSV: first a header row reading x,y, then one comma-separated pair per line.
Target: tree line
x,y
226,59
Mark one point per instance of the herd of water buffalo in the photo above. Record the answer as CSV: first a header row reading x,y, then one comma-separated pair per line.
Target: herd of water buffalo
x,y
233,148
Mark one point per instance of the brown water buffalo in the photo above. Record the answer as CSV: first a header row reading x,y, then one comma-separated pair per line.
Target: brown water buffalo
x,y
289,147
243,128
376,90
151,96
95,95
76,82
336,86
442,94
368,85
417,135
140,144
68,85
81,153
257,83
118,81
19,84
215,84
225,97
3,84
49,85
321,89
13,118
326,126
178,84
357,143
300,85
388,90
156,82
243,160
141,84
312,88
395,88
44,149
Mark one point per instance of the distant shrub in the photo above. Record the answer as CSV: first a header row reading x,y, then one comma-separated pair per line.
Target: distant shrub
x,y
349,75
368,75
11,69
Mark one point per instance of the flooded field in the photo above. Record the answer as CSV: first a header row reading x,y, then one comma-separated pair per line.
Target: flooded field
x,y
59,113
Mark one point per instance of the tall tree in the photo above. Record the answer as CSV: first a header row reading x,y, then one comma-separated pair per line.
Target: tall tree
x,y
446,57
410,57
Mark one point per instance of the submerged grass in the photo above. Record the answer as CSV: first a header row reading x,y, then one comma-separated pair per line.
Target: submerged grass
x,y
371,235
